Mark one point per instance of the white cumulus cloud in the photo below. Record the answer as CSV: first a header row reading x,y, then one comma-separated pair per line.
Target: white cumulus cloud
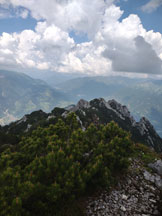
x,y
112,42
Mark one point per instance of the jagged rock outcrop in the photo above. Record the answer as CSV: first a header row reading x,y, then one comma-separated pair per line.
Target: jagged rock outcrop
x,y
148,133
83,104
122,110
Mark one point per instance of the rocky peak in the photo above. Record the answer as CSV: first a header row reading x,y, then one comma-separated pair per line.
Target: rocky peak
x,y
98,102
145,123
23,119
147,131
83,104
122,110
144,126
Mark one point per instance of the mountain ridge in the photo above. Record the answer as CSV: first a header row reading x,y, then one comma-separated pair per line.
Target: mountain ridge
x,y
97,111
53,158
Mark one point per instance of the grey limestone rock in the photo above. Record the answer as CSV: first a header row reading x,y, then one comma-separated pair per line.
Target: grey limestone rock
x,y
157,166
136,195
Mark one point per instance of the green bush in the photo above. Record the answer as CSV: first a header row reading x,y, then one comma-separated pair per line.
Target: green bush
x,y
57,164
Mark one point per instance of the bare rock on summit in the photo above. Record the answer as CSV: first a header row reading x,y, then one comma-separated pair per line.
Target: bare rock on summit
x,y
83,104
122,110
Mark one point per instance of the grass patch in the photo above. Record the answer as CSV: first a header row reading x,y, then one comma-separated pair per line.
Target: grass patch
x,y
146,154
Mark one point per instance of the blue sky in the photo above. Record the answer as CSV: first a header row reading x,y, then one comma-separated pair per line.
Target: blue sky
x,y
89,37
16,24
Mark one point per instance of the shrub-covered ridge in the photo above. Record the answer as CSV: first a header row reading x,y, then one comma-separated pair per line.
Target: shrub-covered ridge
x,y
57,164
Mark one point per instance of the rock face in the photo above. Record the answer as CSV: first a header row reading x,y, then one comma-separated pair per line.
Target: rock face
x,y
82,104
148,133
155,179
122,110
157,167
135,195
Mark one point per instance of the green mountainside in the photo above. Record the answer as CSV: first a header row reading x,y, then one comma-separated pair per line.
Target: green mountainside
x,y
20,94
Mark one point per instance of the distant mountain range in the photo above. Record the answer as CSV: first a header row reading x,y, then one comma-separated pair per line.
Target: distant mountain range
x,y
21,94
142,96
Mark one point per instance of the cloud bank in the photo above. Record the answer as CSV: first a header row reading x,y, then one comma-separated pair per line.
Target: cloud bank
x,y
112,45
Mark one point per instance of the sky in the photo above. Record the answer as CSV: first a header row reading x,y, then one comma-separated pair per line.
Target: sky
x,y
91,37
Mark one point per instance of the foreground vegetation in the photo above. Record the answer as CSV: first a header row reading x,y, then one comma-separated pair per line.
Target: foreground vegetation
x,y
55,165
51,168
